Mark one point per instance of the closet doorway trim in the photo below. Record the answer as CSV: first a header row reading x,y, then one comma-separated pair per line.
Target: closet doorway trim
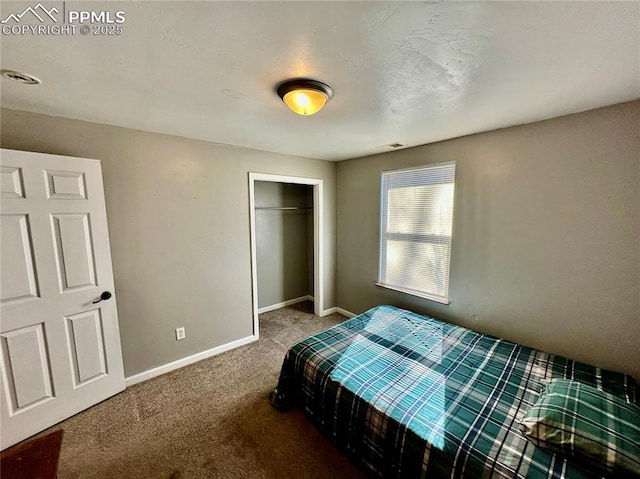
x,y
318,240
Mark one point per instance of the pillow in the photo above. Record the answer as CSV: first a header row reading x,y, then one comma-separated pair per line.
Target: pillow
x,y
589,426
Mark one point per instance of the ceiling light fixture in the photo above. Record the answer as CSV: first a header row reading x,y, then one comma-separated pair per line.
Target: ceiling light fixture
x,y
304,97
20,77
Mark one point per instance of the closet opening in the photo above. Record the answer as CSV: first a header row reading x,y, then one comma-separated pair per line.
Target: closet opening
x,y
286,242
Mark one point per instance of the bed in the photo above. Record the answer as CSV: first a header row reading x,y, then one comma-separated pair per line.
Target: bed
x,y
406,395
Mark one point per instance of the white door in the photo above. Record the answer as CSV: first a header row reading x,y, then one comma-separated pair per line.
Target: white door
x,y
60,350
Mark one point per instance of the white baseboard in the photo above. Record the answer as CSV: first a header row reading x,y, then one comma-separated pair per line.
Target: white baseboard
x,y
343,312
180,363
284,304
346,313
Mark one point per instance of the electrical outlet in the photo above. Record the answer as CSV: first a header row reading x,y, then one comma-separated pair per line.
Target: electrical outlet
x,y
180,334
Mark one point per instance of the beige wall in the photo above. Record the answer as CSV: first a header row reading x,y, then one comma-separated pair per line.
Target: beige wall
x,y
178,213
546,247
546,235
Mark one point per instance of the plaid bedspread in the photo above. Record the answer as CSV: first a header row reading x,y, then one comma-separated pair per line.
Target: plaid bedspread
x,y
405,395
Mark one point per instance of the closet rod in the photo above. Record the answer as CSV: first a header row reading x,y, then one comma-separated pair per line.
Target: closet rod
x,y
284,207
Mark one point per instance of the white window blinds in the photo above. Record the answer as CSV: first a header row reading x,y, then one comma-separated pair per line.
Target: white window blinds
x,y
416,218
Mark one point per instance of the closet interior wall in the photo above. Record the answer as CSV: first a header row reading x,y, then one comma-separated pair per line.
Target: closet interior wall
x,y
284,242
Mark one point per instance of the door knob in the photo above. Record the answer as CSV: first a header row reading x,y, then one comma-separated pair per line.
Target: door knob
x,y
103,297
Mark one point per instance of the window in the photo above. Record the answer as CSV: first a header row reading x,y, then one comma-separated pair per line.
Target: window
x,y
416,217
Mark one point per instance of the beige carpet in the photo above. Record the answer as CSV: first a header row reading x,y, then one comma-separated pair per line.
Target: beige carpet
x,y
208,420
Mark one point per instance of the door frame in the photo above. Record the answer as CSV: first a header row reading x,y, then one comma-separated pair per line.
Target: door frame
x,y
318,246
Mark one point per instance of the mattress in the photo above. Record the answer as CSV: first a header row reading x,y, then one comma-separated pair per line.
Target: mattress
x,y
410,396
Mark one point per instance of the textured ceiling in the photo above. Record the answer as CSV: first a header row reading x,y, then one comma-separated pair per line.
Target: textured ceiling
x,y
404,72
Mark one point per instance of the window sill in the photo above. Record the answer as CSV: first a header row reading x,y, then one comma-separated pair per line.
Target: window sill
x,y
412,292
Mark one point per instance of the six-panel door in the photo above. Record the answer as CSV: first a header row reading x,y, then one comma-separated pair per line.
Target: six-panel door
x,y
60,351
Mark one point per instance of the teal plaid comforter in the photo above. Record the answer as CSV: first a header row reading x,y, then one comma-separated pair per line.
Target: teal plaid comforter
x,y
409,396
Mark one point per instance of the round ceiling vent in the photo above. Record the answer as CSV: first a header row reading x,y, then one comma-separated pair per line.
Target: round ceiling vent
x,y
21,77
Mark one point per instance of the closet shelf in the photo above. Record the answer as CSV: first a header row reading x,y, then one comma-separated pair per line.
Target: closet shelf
x,y
284,207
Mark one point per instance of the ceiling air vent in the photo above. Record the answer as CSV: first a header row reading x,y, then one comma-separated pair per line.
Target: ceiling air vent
x,y
20,77
390,145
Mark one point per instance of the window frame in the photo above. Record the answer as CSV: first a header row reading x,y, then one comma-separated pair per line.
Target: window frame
x,y
412,237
